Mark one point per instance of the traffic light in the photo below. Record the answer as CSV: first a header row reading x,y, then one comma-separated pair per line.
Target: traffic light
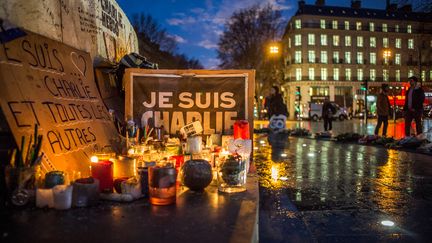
x,y
298,94
364,85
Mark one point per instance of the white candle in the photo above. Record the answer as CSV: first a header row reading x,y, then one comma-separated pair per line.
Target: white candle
x,y
62,197
44,198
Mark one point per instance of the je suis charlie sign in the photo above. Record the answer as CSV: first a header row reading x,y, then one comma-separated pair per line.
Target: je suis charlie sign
x,y
175,98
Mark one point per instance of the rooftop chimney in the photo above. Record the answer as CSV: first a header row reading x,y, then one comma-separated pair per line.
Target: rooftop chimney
x,y
320,2
301,3
407,8
392,7
356,4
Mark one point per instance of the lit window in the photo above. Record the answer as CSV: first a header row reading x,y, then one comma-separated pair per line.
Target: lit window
x,y
322,24
372,58
423,75
311,74
323,40
386,74
311,56
323,56
372,74
359,41
409,29
347,40
430,75
298,74
384,27
372,41
289,42
336,40
348,57
336,74
348,74
335,24
347,25
311,39
410,73
359,74
358,26
398,43
298,23
335,57
398,59
371,26
359,57
323,73
398,77
410,43
397,28
385,42
298,57
297,40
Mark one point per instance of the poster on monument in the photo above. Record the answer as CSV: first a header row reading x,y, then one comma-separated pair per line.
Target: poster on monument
x,y
51,84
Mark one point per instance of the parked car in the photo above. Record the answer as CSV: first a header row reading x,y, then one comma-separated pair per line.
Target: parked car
x,y
315,111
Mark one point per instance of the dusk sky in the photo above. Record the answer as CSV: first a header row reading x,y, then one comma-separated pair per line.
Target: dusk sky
x,y
197,24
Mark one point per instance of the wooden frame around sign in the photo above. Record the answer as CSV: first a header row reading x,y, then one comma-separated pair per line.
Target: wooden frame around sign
x,y
131,72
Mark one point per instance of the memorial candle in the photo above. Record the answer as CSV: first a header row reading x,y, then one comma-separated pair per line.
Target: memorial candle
x,y
241,129
103,171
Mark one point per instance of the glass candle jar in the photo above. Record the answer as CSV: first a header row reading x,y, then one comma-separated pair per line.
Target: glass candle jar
x,y
231,174
162,184
194,145
124,166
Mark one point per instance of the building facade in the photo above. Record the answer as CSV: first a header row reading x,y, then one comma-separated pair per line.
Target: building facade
x,y
330,51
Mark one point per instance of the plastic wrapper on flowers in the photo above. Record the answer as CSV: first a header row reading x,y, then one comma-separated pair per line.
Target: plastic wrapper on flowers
x,y
242,147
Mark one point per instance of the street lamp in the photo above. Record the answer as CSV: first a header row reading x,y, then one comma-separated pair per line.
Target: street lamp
x,y
387,54
274,49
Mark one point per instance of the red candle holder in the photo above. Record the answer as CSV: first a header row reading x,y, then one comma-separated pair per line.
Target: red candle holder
x,y
103,171
241,129
179,161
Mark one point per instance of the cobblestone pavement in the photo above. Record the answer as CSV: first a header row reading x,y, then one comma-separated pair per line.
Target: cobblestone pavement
x,y
321,191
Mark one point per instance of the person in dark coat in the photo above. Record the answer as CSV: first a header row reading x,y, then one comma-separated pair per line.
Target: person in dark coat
x,y
383,110
275,103
327,114
413,107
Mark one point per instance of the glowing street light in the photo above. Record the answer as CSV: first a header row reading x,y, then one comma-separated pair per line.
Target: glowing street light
x,y
274,49
387,54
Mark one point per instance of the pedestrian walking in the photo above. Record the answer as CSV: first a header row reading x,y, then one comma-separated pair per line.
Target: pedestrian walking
x,y
413,107
383,110
327,114
277,110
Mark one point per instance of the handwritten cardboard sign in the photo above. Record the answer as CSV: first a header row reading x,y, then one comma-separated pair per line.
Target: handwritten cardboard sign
x,y
47,83
175,98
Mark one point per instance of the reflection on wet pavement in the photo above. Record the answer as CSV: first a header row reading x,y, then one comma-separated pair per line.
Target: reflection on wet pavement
x,y
328,191
396,130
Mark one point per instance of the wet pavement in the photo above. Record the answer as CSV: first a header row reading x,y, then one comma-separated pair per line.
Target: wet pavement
x,y
322,191
396,130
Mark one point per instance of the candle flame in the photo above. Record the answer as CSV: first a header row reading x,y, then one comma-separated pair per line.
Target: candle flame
x,y
94,159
